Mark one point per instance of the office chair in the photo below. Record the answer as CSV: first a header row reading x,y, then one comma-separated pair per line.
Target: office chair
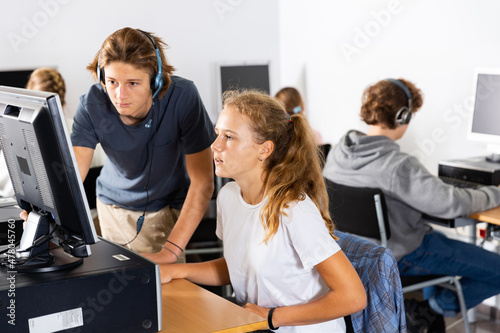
x,y
324,149
362,211
204,245
89,185
204,240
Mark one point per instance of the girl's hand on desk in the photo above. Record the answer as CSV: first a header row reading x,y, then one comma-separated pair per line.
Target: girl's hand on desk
x,y
162,257
258,310
165,273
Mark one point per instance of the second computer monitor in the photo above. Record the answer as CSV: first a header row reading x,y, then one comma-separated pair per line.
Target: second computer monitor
x,y
486,112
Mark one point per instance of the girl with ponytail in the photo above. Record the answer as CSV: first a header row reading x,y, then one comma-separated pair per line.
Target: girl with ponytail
x,y
280,254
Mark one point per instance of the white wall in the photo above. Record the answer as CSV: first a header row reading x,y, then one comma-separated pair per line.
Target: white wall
x,y
67,34
334,49
437,45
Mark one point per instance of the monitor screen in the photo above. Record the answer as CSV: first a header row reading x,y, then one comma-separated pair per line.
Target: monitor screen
x,y
15,78
486,116
243,76
486,112
43,170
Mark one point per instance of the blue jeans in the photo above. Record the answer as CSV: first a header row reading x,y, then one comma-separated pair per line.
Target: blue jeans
x,y
439,255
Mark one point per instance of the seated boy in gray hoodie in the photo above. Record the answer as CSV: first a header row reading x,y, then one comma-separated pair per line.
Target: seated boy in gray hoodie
x,y
375,160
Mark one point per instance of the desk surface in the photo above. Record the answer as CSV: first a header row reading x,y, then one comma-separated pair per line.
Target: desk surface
x,y
491,216
190,308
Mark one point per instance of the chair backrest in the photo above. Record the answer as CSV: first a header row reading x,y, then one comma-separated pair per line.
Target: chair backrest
x,y
89,184
359,210
324,150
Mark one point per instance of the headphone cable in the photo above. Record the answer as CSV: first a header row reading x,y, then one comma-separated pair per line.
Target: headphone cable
x,y
140,220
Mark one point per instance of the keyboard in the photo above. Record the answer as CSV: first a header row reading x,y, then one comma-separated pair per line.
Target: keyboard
x,y
460,182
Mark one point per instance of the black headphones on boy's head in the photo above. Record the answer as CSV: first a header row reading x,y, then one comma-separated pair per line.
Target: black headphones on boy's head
x,y
156,80
403,116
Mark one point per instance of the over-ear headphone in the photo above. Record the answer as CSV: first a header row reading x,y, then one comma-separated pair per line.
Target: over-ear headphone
x,y
156,79
403,116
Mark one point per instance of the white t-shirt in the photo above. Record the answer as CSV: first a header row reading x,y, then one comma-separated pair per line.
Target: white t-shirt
x,y
281,272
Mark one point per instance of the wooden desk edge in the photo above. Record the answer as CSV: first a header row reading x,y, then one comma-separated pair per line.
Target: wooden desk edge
x,y
196,307
261,325
490,216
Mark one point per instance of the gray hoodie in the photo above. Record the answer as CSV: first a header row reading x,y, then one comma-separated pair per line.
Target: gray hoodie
x,y
410,190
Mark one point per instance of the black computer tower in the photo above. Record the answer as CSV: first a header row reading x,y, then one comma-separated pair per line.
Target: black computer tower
x,y
113,290
477,170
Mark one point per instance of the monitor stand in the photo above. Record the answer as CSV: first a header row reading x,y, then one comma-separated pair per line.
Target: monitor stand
x,y
56,260
495,158
34,254
493,151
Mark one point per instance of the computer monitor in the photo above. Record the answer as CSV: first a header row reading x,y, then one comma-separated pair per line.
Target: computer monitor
x,y
242,76
15,78
47,184
485,122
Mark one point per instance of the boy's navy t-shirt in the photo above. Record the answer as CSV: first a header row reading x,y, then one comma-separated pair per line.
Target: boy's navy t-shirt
x,y
179,126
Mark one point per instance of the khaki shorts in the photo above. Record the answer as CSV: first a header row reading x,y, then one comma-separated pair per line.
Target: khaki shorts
x,y
119,225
